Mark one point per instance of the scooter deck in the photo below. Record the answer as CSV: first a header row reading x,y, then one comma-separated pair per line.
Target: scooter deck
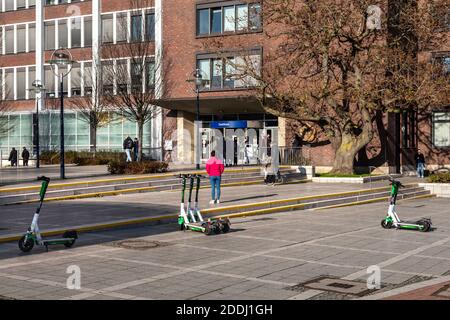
x,y
57,241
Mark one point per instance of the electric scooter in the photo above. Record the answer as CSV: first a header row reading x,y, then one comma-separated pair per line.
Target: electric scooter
x,y
393,220
33,235
191,218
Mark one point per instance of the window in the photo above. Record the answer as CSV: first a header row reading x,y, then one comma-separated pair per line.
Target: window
x,y
136,27
75,76
255,16
242,17
31,37
75,29
229,22
31,79
21,83
232,72
31,3
441,129
203,21
107,28
62,34
49,80
87,78
150,74
21,38
136,76
9,39
9,5
9,84
216,20
122,75
21,4
108,77
87,31
150,27
49,28
122,27
228,19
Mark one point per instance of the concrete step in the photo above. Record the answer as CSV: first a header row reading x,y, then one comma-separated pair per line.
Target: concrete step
x,y
107,188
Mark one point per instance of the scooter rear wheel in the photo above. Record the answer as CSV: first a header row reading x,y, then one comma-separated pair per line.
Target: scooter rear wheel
x,y
226,226
385,224
70,234
26,246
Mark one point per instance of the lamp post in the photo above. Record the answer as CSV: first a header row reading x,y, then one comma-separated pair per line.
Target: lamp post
x,y
38,88
198,82
61,59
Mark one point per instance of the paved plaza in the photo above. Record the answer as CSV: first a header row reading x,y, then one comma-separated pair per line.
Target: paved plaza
x,y
276,256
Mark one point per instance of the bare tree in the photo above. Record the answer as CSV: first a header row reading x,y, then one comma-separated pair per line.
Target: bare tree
x,y
335,64
93,107
132,72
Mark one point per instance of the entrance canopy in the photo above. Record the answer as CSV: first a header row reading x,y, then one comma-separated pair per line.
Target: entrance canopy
x,y
213,105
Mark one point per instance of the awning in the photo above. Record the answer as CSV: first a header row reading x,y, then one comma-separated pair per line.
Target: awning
x,y
214,105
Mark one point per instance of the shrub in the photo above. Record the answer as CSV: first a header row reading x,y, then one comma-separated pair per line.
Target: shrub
x,y
443,177
82,158
144,167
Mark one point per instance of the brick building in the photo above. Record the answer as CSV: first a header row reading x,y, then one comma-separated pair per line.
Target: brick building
x,y
181,33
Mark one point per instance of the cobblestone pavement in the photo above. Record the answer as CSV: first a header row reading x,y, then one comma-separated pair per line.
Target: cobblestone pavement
x,y
266,257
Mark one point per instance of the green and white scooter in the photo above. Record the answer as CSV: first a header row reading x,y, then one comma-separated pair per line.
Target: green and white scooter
x,y
392,220
33,235
191,218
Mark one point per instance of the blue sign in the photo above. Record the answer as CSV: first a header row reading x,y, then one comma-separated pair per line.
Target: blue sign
x,y
240,124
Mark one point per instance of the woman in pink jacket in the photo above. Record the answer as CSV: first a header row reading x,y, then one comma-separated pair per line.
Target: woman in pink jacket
x,y
214,168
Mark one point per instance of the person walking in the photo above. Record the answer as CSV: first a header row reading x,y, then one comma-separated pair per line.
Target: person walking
x,y
13,157
25,156
215,168
136,149
127,146
420,164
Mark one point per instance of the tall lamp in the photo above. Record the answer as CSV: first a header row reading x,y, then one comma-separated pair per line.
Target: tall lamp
x,y
61,59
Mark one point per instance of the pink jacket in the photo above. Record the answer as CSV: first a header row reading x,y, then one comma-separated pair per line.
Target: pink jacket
x,y
214,167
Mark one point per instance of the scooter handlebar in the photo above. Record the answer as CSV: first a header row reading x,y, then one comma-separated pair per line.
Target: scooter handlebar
x,y
43,178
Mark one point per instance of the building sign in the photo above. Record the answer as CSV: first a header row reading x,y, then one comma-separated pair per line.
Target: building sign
x,y
240,124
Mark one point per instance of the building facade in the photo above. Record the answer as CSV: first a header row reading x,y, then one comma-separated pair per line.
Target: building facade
x,y
182,35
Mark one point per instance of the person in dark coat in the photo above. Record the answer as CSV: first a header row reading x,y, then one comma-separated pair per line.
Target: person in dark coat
x,y
420,164
136,149
13,157
25,156
127,146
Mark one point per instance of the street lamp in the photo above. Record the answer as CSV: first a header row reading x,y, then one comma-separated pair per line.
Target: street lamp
x,y
38,88
60,60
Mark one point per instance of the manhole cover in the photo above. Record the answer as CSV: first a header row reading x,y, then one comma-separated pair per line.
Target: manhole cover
x,y
336,286
138,244
444,292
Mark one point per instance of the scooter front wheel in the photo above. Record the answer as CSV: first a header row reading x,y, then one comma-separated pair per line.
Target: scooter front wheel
x,y
386,224
425,226
26,246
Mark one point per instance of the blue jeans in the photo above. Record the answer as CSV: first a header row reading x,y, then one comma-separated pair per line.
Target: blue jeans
x,y
420,169
215,183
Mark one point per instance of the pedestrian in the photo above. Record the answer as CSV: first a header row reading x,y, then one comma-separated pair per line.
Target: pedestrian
x,y
136,149
214,168
127,146
25,156
420,164
13,157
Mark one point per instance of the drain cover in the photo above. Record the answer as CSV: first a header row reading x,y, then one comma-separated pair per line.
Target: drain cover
x,y
345,287
443,292
138,244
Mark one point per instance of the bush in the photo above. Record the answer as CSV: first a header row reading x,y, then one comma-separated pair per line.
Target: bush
x,y
144,167
443,177
82,158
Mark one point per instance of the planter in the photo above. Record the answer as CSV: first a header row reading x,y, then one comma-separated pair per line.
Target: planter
x,y
351,180
439,189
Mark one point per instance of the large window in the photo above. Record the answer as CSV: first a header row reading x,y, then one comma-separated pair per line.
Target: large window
x,y
75,77
49,81
31,37
9,39
75,26
87,31
21,4
150,75
87,78
441,129
122,27
150,26
231,72
62,34
228,18
31,79
107,28
136,27
49,28
9,84
21,83
9,5
21,38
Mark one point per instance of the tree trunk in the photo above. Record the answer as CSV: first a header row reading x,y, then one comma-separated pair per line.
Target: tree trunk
x,y
141,138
